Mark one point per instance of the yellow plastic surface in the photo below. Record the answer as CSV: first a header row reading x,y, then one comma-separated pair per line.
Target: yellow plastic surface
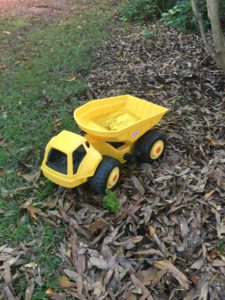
x,y
118,119
113,178
67,142
157,149
107,149
119,122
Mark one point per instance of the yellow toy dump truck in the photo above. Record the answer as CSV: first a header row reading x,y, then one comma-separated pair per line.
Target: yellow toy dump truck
x,y
116,130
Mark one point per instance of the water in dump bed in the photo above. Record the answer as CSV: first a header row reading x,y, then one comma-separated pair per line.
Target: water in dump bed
x,y
119,122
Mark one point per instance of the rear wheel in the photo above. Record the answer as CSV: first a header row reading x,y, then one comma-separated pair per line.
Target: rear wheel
x,y
106,175
151,146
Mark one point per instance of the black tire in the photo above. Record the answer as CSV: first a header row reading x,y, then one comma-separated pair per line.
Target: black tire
x,y
145,145
99,181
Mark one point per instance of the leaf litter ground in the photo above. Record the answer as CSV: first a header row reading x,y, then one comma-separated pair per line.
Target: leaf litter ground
x,y
167,240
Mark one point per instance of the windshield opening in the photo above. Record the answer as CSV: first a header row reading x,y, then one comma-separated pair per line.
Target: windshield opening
x,y
57,161
78,156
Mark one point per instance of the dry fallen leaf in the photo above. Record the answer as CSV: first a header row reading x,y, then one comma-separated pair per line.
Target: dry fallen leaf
x,y
169,267
79,260
108,276
30,177
147,276
212,254
71,274
145,292
8,295
32,265
99,224
195,278
152,231
209,195
98,262
149,252
138,185
98,289
131,296
73,78
198,264
218,263
79,285
32,212
29,290
4,257
213,141
64,282
7,274
49,292
204,288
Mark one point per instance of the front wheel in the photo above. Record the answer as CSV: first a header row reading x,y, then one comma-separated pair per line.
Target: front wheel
x,y
106,175
151,146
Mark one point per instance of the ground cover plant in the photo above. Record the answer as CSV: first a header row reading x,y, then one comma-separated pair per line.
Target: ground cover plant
x,y
165,239
144,10
177,14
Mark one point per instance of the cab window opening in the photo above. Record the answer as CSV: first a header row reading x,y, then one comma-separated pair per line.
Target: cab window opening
x,y
78,156
57,161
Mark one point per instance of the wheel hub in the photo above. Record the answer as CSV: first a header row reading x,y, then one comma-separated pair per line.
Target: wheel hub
x,y
113,178
157,149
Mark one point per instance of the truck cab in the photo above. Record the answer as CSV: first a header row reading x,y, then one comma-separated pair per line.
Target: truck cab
x,y
70,159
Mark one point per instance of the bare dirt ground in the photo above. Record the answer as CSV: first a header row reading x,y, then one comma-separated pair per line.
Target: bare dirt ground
x,y
32,8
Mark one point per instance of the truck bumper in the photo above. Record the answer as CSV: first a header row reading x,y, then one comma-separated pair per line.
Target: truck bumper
x,y
61,179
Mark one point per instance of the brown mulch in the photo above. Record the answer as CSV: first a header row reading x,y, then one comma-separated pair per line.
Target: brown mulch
x,y
177,206
167,240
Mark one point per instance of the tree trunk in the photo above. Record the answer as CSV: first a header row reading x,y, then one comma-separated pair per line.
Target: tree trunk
x,y
218,51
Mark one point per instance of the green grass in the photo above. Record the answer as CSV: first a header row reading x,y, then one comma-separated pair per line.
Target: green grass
x,y
3,157
37,94
42,72
13,228
46,190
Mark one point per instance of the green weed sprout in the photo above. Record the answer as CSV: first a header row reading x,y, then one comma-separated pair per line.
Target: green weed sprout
x,y
220,246
148,34
111,202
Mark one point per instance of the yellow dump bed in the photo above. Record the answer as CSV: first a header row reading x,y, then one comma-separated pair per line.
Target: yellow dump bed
x,y
118,119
